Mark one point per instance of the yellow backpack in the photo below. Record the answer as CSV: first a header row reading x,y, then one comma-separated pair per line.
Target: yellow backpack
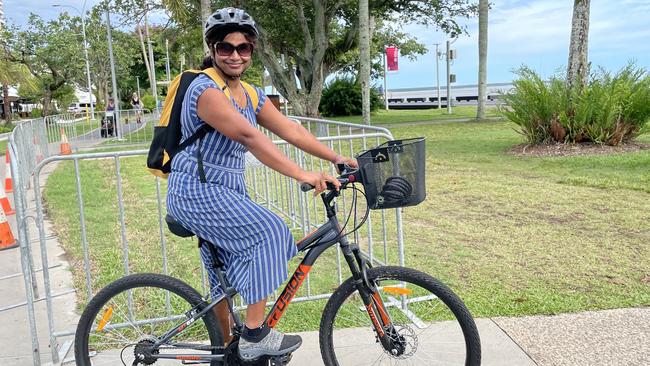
x,y
167,134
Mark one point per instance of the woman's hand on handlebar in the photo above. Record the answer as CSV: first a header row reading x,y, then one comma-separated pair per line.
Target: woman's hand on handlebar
x,y
319,180
347,161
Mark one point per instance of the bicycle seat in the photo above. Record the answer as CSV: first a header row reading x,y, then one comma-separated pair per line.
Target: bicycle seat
x,y
176,228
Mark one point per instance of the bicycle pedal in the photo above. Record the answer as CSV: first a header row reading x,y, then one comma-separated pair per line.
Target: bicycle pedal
x,y
280,360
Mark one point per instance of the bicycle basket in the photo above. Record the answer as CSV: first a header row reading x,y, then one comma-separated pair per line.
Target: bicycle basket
x,y
392,173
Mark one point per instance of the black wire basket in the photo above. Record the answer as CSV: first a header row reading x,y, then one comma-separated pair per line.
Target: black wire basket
x,y
392,173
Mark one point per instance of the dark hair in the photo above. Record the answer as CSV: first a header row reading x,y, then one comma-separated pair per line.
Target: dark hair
x,y
219,34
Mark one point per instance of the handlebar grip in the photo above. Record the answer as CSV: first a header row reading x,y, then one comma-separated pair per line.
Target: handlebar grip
x,y
306,187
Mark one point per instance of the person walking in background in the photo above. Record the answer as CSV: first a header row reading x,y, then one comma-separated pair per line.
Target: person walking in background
x,y
136,103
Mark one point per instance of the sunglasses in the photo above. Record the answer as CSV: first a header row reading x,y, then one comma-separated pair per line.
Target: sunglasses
x,y
226,49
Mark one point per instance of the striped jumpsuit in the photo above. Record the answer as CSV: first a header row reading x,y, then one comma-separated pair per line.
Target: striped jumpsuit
x,y
253,242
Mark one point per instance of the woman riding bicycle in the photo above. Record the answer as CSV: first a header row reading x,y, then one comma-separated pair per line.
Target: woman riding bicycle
x,y
254,243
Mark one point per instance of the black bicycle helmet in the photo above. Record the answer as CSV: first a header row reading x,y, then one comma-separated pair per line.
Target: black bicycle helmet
x,y
396,189
229,17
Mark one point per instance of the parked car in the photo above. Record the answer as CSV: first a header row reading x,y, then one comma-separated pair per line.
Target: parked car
x,y
78,108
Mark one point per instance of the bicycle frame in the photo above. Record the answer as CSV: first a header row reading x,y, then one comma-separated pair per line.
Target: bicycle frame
x,y
314,244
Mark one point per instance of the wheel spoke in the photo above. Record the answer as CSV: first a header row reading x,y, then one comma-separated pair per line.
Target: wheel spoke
x,y
142,323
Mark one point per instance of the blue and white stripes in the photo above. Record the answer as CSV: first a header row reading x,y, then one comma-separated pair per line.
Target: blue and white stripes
x,y
253,242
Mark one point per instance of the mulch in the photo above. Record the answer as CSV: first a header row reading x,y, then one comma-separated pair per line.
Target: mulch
x,y
581,149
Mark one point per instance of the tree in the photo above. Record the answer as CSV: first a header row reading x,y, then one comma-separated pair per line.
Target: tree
x,y
314,36
483,7
578,66
11,73
206,11
51,51
125,50
364,61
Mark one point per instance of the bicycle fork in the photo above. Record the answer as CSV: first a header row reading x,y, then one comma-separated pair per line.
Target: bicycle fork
x,y
385,331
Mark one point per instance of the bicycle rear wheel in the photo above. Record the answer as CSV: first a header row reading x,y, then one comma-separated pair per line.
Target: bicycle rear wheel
x,y
432,323
133,312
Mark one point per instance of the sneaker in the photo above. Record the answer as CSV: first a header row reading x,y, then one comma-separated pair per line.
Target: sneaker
x,y
273,344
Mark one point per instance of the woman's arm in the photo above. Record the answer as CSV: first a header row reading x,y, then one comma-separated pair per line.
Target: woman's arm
x,y
297,135
215,109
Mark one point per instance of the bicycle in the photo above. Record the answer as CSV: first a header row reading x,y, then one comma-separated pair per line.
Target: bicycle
x,y
381,314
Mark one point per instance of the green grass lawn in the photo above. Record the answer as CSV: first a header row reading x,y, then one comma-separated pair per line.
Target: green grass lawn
x,y
511,235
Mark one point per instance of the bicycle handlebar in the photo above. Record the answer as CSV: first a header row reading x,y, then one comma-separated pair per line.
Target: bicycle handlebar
x,y
348,175
306,187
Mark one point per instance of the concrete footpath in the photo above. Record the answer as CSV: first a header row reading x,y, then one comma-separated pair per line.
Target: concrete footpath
x,y
611,337
15,335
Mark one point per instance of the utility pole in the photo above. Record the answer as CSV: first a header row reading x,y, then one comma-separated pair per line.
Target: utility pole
x,y
167,66
118,128
152,63
450,55
137,80
448,79
437,74
385,73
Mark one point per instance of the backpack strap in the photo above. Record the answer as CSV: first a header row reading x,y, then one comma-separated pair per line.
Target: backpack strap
x,y
252,92
203,130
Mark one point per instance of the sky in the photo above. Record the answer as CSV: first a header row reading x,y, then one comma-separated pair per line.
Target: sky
x,y
534,33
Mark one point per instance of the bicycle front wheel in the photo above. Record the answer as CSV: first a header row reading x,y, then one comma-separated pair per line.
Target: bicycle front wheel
x,y
135,311
430,322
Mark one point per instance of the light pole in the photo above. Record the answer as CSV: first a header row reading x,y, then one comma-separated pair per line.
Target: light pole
x,y
83,31
450,56
385,86
438,73
116,118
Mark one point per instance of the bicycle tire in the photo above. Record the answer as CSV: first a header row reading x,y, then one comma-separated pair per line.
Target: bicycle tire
x,y
346,295
128,284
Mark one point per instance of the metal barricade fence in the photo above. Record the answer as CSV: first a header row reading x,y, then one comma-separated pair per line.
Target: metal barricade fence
x,y
84,131
120,206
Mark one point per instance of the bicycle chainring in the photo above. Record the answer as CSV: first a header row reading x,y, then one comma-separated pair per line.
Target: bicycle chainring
x,y
142,350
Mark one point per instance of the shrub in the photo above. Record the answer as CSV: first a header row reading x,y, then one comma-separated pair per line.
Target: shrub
x,y
342,97
37,113
148,102
4,128
610,109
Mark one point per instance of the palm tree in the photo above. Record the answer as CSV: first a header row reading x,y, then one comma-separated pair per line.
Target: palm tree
x,y
179,7
578,67
12,73
483,7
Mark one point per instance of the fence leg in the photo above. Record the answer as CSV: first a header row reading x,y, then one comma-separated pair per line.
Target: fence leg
x,y
24,258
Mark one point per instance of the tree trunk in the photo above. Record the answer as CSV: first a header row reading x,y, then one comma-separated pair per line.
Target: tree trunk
x,y
306,65
483,7
47,101
6,104
206,11
144,54
578,66
364,62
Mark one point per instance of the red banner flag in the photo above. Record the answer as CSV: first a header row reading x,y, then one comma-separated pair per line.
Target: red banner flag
x,y
391,58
